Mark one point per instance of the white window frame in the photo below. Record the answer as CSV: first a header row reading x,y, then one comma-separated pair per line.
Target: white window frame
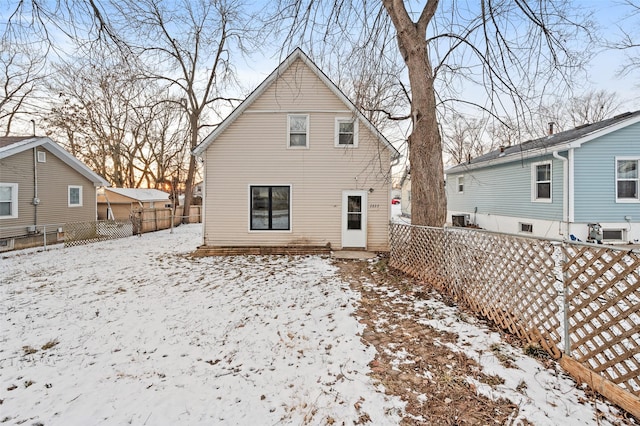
x,y
69,188
289,117
42,157
534,182
249,211
637,180
340,120
460,184
14,200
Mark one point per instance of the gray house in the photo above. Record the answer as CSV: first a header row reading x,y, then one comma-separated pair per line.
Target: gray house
x,y
582,183
42,186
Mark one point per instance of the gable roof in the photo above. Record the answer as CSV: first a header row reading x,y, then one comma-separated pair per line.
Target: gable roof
x,y
141,194
561,141
12,145
296,54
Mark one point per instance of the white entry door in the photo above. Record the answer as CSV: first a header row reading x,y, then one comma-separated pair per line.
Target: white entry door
x,y
354,219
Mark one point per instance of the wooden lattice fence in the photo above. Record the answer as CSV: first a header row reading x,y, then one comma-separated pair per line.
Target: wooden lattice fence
x,y
603,309
542,291
79,233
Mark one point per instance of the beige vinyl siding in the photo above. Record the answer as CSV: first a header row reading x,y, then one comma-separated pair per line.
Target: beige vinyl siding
x,y
253,151
54,177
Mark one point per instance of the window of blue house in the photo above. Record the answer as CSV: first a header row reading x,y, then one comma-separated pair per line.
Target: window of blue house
x,y
541,182
270,208
627,179
461,184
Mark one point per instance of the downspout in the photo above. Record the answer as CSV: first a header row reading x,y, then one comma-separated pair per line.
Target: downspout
x,y
565,193
36,200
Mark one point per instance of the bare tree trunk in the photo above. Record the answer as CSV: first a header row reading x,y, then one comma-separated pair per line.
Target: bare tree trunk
x,y
188,185
428,199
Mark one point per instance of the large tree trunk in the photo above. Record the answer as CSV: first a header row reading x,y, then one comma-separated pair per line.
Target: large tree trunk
x,y
428,199
188,185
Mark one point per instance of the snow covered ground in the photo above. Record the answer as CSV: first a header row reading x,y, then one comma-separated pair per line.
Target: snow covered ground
x,y
135,331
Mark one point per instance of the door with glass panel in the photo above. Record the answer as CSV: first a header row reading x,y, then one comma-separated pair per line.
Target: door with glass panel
x,y
354,219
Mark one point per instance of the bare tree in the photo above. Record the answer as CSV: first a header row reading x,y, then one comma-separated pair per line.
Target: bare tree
x,y
102,92
22,70
187,46
628,39
513,49
465,137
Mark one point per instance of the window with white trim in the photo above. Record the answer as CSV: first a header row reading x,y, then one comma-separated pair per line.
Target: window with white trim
x,y
346,133
270,208
627,179
8,200
75,196
460,184
42,157
541,182
298,131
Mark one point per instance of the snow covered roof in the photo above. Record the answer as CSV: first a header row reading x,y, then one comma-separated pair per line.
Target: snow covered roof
x,y
141,194
12,145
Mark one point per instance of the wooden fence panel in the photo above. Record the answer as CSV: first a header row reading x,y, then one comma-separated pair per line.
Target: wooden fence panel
x,y
525,285
603,294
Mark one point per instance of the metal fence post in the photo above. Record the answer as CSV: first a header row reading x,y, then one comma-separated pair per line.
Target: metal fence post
x,y
44,232
565,300
172,213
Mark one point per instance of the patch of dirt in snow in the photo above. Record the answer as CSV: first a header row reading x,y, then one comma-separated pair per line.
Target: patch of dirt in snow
x,y
420,363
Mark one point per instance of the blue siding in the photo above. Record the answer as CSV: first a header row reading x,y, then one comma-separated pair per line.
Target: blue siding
x,y
595,177
505,190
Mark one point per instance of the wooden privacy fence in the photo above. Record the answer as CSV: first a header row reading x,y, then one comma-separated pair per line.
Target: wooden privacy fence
x,y
579,302
152,219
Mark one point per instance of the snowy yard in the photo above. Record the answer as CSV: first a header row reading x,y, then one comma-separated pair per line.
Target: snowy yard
x,y
135,331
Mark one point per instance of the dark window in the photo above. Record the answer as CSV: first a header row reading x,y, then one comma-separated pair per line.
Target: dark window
x,y
354,213
270,208
612,234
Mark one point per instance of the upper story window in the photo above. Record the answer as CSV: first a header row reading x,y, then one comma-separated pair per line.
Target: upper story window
x,y
627,180
75,196
8,200
541,182
461,184
346,132
298,135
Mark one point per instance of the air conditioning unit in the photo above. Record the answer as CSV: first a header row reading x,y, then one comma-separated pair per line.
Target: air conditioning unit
x,y
460,220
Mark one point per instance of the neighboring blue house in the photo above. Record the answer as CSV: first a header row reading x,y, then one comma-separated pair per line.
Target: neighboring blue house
x,y
557,186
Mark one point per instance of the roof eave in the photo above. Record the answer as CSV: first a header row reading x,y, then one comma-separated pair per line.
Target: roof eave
x,y
62,154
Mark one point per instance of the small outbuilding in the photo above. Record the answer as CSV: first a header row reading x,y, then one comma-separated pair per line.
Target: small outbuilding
x,y
121,203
